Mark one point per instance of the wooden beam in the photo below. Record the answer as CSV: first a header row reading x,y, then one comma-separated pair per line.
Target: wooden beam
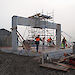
x,y
54,66
65,65
61,60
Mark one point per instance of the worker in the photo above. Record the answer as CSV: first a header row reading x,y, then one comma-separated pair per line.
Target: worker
x,y
37,40
64,42
49,40
43,43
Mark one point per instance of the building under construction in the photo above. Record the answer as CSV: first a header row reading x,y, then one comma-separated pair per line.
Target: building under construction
x,y
44,26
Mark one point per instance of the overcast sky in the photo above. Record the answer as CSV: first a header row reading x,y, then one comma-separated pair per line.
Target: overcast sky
x,y
64,12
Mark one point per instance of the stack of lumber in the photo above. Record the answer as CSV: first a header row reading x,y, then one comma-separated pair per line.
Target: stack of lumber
x,y
58,65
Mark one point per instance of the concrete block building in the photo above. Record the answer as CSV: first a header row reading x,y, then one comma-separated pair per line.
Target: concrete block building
x,y
5,38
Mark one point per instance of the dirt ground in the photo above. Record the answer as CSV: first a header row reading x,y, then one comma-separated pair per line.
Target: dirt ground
x,y
11,64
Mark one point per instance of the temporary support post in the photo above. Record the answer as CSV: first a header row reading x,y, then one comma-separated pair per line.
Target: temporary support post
x,y
74,48
58,35
42,58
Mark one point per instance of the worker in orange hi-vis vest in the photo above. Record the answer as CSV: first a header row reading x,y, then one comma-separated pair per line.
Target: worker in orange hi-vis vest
x,y
49,40
37,39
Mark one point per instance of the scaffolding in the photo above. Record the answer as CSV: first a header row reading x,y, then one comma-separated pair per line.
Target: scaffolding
x,y
45,32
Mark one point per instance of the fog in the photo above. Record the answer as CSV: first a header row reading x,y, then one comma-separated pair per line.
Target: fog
x,y
64,12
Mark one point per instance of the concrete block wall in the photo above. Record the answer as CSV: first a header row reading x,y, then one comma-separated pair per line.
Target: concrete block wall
x,y
52,54
57,54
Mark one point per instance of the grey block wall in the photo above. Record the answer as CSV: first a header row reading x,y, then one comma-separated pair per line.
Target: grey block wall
x,y
5,38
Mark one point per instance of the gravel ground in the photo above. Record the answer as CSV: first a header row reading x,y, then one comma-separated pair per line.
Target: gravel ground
x,y
11,64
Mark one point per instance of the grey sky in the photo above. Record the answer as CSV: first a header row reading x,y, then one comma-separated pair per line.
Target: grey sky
x,y
64,12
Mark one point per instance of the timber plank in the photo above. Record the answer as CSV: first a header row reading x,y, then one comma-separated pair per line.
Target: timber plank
x,y
54,66
61,60
65,65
